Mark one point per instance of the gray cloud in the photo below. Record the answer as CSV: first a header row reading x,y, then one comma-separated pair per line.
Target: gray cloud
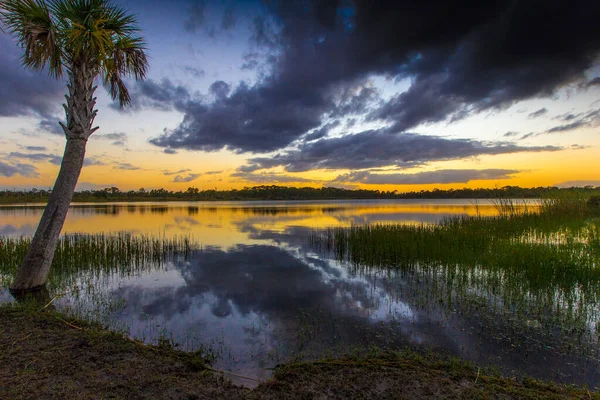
x,y
580,120
322,132
461,58
567,116
219,89
372,149
188,178
126,167
538,113
195,72
181,171
10,169
169,151
51,158
116,138
196,15
593,82
89,161
567,127
443,176
269,178
163,95
35,148
246,120
50,125
25,92
510,134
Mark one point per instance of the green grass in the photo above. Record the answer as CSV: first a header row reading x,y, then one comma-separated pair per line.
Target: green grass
x,y
528,274
96,255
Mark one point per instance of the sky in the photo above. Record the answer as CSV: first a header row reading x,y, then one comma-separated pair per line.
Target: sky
x,y
384,95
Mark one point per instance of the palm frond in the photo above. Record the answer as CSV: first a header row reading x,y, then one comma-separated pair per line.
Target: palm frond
x,y
31,23
95,35
117,88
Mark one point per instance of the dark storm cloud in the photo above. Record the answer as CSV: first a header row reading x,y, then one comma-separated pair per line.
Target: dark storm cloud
x,y
163,95
25,92
593,82
219,89
187,178
372,149
247,120
538,113
462,57
11,169
355,101
443,176
321,132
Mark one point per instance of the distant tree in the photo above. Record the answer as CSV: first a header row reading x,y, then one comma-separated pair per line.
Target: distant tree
x,y
87,40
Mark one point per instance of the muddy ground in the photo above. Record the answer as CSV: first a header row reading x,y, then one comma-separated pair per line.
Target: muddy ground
x,y
47,355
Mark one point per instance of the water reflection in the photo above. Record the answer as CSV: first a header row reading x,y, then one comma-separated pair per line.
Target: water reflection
x,y
226,216
259,294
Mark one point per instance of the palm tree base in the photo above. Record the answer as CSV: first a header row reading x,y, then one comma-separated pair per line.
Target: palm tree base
x,y
38,294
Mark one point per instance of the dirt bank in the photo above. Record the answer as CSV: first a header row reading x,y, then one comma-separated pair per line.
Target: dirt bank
x,y
46,355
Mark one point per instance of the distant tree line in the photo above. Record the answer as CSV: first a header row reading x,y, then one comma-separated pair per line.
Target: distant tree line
x,y
273,192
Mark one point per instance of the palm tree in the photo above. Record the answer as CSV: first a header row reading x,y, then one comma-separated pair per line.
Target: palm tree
x,y
87,40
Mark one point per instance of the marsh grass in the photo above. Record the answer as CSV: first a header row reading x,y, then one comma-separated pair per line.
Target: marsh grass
x,y
122,253
528,273
83,268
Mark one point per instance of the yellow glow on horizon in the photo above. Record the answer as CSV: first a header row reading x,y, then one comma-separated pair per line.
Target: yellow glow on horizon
x,y
536,169
226,224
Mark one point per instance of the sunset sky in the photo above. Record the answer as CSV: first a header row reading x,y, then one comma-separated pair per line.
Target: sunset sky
x,y
355,94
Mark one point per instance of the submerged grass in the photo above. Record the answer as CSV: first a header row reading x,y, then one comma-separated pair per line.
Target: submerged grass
x,y
123,253
535,273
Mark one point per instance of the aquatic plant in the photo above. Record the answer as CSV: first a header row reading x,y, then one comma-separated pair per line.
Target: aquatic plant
x,y
95,255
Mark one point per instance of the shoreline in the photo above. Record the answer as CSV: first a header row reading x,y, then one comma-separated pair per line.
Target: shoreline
x,y
49,354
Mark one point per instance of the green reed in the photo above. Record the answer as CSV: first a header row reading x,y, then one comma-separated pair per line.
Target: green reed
x,y
124,254
530,268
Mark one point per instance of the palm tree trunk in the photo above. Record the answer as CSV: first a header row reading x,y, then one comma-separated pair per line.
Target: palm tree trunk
x,y
36,265
80,113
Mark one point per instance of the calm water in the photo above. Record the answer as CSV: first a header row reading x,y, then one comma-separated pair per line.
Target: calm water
x,y
259,294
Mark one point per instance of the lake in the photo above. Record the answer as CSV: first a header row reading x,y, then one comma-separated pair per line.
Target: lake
x,y
259,292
